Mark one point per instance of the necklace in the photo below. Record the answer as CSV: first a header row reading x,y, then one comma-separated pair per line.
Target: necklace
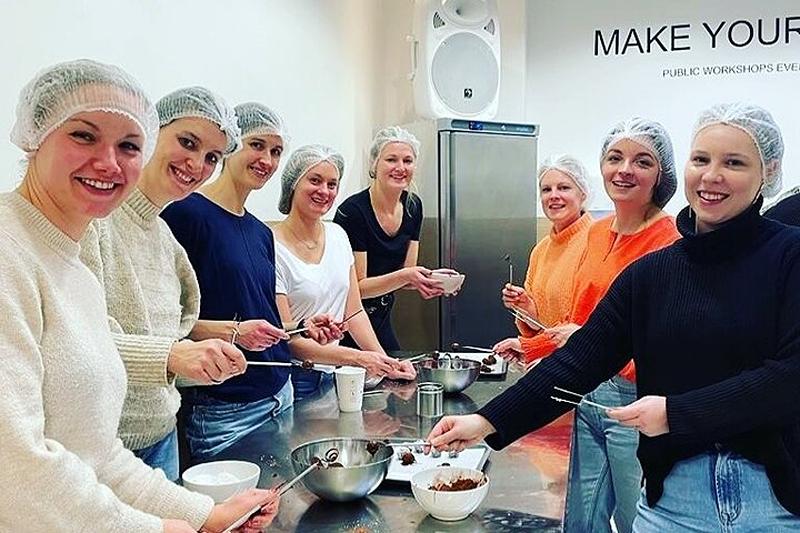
x,y
311,245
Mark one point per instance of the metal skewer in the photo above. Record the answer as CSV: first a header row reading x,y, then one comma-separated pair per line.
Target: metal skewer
x,y
306,328
581,399
457,346
526,318
283,490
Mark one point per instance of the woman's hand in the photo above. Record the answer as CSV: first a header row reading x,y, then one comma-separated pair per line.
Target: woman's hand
x,y
647,415
402,370
420,278
376,363
208,361
459,432
261,521
226,513
177,526
510,348
515,296
258,335
561,334
324,328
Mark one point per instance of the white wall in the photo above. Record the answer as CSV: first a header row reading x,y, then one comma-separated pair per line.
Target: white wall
x,y
576,96
311,60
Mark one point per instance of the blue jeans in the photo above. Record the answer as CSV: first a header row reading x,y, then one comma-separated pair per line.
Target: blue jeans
x,y
213,425
163,454
307,382
721,492
605,477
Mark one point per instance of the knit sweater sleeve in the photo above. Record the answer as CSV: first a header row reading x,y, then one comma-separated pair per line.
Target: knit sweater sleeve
x,y
47,487
149,490
592,355
190,289
144,356
764,396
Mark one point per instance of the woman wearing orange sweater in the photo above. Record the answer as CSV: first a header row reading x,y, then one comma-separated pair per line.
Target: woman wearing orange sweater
x,y
547,295
639,176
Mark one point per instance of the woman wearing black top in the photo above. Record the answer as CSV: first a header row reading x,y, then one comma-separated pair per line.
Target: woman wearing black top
x,y
713,322
383,223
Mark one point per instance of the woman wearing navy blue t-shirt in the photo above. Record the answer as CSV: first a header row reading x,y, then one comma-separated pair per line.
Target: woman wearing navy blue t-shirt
x,y
383,224
233,255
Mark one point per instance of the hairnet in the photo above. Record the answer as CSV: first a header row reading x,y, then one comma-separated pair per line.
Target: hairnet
x,y
570,166
258,119
65,89
299,163
762,129
199,102
391,134
651,135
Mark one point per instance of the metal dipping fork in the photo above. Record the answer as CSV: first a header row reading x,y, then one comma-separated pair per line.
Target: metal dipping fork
x,y
580,399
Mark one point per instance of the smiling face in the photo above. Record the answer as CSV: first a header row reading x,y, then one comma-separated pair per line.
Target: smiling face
x,y
186,155
561,198
85,168
630,172
722,176
256,162
316,190
395,166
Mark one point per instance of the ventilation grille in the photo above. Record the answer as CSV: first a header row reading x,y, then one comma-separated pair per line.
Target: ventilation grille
x,y
437,20
490,27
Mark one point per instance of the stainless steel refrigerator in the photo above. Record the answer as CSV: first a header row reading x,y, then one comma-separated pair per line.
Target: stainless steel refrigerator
x,y
477,181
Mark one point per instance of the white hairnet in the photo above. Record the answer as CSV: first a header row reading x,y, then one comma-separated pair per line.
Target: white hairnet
x,y
65,89
573,168
651,135
762,129
391,134
301,162
199,102
258,119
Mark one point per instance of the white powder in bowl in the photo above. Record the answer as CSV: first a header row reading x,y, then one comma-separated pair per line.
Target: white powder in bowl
x,y
214,479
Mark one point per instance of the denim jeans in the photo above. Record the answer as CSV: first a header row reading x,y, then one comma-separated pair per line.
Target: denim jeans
x,y
163,454
213,425
604,474
721,492
307,382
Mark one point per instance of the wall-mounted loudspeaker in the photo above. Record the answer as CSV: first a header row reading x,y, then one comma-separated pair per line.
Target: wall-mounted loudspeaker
x,y
456,58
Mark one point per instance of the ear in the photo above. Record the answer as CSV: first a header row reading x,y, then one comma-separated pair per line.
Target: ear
x,y
772,167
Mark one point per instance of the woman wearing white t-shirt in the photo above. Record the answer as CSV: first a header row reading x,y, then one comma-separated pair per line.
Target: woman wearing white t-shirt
x,y
315,272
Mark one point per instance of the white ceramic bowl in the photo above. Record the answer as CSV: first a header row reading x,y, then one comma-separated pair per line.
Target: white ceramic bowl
x,y
450,282
448,506
221,479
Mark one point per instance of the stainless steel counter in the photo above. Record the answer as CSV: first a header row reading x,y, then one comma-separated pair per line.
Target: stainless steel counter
x,y
527,478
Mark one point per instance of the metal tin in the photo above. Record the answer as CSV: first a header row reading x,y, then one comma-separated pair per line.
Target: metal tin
x,y
430,399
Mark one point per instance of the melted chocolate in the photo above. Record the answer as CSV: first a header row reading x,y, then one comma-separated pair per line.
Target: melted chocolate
x,y
455,485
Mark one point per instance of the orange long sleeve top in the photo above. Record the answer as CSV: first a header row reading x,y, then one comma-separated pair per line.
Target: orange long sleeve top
x,y
601,264
551,273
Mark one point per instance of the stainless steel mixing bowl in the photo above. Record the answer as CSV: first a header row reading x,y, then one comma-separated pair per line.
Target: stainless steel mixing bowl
x,y
361,473
454,374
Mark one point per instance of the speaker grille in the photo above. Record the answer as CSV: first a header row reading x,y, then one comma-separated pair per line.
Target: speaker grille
x,y
465,73
490,27
437,20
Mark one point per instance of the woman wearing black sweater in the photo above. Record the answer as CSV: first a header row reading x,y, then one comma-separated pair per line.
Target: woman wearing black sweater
x,y
713,322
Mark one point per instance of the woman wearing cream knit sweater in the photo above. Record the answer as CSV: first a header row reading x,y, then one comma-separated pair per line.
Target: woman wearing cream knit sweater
x,y
151,289
87,129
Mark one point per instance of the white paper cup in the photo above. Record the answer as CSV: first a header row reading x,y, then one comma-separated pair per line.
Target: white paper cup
x,y
350,387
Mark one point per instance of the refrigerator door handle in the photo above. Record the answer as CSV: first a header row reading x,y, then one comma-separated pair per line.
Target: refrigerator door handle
x,y
446,203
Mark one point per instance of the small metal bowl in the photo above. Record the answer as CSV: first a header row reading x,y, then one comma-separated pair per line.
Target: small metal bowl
x,y
454,374
361,474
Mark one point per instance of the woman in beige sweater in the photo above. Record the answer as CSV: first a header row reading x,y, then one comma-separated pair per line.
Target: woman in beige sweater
x,y
151,290
87,129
